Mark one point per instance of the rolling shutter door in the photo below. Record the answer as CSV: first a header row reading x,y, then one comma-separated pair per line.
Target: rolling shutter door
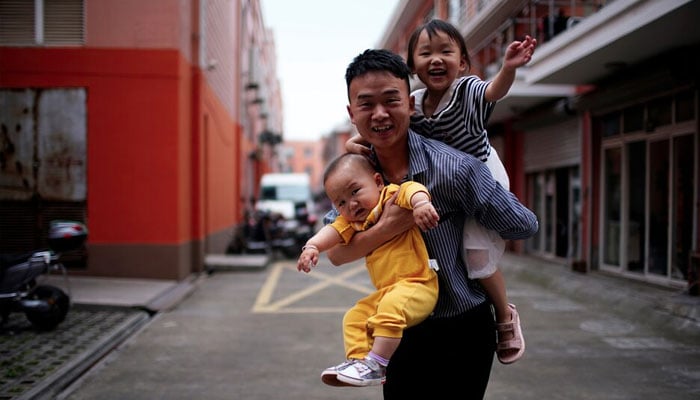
x,y
553,146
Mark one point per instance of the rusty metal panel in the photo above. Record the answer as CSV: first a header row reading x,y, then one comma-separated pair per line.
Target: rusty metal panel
x,y
62,151
43,156
17,141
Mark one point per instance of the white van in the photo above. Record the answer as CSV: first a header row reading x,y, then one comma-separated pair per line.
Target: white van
x,y
288,194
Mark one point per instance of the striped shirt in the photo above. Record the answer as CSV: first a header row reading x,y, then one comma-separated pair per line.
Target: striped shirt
x,y
460,118
462,186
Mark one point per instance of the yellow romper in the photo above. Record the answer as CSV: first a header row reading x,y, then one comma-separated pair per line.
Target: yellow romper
x,y
407,289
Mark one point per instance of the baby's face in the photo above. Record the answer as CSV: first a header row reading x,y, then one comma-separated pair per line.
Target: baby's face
x,y
354,192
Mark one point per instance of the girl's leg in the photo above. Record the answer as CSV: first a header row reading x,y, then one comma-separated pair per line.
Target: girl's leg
x,y
510,339
495,286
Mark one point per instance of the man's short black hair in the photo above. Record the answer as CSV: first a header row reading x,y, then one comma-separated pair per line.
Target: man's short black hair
x,y
378,60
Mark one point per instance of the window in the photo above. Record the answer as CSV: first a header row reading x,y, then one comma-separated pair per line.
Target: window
x,y
659,163
556,200
633,119
610,124
660,113
682,205
308,153
647,186
636,176
42,22
612,205
685,106
456,12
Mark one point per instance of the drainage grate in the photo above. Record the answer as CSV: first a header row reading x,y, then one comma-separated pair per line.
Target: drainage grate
x,y
30,359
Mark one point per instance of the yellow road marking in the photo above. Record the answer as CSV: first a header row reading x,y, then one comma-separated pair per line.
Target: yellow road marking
x,y
263,302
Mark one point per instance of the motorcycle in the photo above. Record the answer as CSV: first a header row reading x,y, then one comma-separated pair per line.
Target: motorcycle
x,y
45,306
265,232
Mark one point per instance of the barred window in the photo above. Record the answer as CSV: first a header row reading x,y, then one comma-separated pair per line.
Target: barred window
x,y
42,22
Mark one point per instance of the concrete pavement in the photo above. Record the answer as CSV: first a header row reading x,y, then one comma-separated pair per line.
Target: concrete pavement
x,y
267,334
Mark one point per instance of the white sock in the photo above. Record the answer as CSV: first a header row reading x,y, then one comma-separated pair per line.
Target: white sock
x,y
376,357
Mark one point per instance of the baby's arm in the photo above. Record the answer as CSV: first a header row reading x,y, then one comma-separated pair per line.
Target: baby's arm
x,y
358,145
424,214
323,240
517,55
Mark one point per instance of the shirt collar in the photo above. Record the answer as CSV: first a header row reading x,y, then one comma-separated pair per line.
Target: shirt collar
x,y
444,101
417,161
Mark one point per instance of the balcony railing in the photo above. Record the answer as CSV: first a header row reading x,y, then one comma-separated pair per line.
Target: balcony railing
x,y
541,19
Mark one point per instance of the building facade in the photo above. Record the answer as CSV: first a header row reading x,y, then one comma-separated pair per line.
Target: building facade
x,y
304,156
599,133
141,119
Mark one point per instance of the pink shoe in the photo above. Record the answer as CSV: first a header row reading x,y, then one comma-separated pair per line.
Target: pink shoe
x,y
510,350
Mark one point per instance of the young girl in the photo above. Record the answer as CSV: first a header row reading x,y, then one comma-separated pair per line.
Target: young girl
x,y
455,109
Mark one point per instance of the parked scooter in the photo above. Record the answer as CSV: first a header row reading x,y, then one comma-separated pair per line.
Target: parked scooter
x,y
265,232
45,306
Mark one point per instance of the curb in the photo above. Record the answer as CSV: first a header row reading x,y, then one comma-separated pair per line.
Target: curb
x,y
170,298
625,297
236,262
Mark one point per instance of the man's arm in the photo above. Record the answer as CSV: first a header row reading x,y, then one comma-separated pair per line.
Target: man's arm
x,y
394,220
495,207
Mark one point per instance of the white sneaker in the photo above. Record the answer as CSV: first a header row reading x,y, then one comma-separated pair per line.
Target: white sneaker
x,y
365,372
329,376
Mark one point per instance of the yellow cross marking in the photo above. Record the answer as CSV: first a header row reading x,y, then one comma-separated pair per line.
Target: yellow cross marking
x,y
263,303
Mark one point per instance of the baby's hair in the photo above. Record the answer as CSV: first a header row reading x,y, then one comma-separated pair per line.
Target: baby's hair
x,y
432,27
356,160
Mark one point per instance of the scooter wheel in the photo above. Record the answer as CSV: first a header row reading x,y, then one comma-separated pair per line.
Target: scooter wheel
x,y
58,302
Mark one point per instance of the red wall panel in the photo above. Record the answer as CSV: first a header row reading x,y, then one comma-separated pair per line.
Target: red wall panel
x,y
141,166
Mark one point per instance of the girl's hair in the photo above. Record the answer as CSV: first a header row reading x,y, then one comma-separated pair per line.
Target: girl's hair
x,y
432,27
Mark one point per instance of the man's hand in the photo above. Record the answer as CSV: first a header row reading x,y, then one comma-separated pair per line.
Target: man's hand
x,y
394,219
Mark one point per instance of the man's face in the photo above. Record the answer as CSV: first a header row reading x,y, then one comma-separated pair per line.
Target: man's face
x,y
381,108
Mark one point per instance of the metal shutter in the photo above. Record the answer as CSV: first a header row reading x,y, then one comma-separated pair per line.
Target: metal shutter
x,y
553,146
39,22
64,22
17,22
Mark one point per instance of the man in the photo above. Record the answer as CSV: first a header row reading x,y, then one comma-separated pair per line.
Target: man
x,y
452,351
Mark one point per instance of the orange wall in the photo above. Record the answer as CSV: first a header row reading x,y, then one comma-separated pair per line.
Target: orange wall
x,y
221,164
154,24
141,166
